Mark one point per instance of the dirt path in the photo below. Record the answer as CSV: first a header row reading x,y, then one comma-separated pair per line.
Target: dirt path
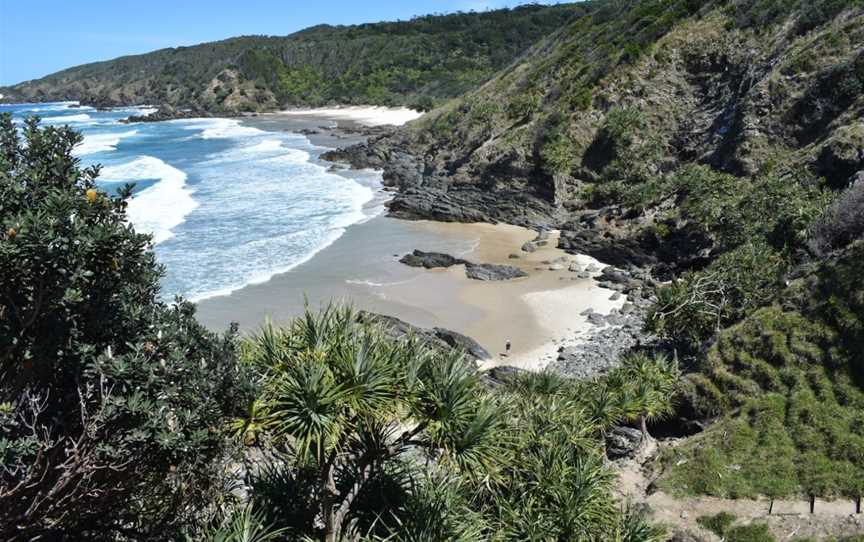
x,y
789,519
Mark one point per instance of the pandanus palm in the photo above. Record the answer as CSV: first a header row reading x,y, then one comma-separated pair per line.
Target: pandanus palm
x,y
344,398
647,388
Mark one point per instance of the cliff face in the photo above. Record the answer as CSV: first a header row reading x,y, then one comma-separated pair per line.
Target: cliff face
x,y
585,131
418,62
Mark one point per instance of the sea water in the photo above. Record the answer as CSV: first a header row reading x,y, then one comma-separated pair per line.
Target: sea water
x,y
227,205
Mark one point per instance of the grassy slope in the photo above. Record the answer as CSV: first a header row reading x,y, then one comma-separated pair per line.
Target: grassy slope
x,y
614,111
639,88
789,382
414,62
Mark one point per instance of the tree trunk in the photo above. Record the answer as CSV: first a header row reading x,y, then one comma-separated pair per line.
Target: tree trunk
x,y
328,505
643,425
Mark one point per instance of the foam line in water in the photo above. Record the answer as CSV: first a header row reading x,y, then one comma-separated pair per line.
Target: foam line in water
x,y
162,207
265,275
68,119
101,142
220,128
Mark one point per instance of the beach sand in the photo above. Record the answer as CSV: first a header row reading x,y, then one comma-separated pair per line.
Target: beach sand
x,y
363,115
538,313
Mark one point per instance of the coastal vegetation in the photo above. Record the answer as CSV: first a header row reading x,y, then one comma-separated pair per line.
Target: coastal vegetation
x,y
418,63
716,145
124,419
713,145
112,405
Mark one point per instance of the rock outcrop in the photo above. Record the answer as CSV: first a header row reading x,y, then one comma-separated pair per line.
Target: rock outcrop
x,y
493,272
623,442
444,339
430,260
167,112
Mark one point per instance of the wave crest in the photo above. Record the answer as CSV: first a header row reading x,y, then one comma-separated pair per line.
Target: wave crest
x,y
162,207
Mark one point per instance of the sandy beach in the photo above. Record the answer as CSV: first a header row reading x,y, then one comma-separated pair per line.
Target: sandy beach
x,y
366,116
539,313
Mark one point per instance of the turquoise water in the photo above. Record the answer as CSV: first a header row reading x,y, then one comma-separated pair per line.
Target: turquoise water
x,y
228,205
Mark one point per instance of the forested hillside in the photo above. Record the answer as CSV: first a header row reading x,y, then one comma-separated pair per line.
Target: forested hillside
x,y
417,63
719,146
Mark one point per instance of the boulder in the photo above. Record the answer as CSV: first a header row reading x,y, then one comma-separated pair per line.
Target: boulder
x,y
596,319
497,376
493,272
529,247
462,342
623,442
575,267
430,260
438,337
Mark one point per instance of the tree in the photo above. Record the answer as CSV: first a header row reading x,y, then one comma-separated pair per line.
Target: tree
x,y
111,403
647,386
345,402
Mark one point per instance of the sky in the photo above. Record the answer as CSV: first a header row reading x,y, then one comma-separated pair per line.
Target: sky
x,y
39,37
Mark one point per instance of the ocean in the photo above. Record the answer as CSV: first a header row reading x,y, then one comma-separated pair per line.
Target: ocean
x,y
228,205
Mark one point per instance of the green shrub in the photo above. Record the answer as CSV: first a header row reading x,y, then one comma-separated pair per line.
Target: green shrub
x,y
698,305
558,155
113,404
758,532
788,378
718,524
523,106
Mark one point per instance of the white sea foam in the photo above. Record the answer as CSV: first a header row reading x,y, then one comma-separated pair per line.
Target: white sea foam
x,y
67,119
42,107
101,142
162,207
291,156
268,145
220,128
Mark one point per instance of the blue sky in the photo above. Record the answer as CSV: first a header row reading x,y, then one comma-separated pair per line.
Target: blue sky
x,y
38,37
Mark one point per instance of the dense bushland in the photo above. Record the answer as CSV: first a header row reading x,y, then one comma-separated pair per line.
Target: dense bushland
x,y
360,435
121,418
112,405
419,63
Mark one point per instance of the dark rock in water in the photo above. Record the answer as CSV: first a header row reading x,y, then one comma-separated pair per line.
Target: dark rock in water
x,y
493,272
514,256
308,131
166,112
438,337
529,247
430,260
497,376
623,442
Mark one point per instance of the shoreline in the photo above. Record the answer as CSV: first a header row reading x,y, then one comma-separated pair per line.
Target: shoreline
x,y
539,314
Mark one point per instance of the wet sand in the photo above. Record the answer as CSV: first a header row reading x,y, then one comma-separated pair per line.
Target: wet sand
x,y
537,313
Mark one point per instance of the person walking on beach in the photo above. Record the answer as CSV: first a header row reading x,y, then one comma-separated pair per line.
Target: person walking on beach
x,y
507,346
